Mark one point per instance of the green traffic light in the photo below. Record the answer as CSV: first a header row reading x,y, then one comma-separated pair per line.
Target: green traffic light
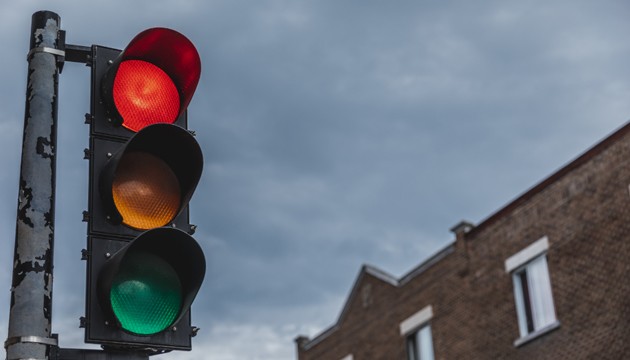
x,y
146,294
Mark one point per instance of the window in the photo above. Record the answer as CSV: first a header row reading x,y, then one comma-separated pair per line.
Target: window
x,y
420,344
418,332
532,291
534,302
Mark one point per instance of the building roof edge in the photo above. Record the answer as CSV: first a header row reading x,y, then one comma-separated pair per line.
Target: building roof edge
x,y
555,176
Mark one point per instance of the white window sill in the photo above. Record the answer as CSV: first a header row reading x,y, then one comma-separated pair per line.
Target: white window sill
x,y
536,334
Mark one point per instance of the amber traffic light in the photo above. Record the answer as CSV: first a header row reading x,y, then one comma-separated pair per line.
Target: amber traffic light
x,y
145,191
151,178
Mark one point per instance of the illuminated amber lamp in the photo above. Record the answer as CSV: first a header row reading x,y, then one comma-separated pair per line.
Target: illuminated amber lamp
x,y
148,182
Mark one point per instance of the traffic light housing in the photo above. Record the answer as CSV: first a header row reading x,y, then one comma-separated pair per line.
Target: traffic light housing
x,y
144,268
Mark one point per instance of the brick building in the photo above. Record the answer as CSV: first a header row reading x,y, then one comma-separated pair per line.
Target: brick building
x,y
545,277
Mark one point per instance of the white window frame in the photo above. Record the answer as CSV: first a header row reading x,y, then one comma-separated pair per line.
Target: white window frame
x,y
532,291
417,330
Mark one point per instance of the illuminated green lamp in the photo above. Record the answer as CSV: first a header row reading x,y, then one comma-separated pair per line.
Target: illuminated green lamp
x,y
146,294
148,285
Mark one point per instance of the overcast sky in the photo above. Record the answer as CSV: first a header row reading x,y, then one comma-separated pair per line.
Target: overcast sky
x,y
335,133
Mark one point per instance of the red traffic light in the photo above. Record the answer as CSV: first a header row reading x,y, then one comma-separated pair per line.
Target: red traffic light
x,y
153,79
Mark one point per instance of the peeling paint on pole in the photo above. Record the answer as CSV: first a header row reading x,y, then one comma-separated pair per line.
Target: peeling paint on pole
x,y
31,291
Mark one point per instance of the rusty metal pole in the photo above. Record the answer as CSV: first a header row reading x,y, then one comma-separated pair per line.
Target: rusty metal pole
x,y
29,335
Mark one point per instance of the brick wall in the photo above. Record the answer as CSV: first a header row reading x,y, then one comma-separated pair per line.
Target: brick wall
x,y
583,210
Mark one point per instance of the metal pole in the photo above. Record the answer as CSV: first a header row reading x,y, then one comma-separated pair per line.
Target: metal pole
x,y
29,335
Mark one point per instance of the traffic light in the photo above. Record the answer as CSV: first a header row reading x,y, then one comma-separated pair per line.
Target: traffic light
x,y
144,267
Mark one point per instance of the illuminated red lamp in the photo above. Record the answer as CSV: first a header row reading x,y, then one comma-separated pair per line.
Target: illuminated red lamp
x,y
153,79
